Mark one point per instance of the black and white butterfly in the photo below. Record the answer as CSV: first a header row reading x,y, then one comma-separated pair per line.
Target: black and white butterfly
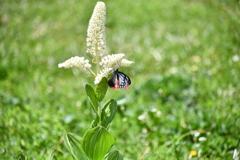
x,y
119,80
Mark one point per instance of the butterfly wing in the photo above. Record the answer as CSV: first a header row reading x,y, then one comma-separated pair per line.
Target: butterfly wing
x,y
119,80
112,83
124,81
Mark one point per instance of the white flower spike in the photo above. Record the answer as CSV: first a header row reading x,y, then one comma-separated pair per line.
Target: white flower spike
x,y
115,61
112,61
126,63
96,33
77,62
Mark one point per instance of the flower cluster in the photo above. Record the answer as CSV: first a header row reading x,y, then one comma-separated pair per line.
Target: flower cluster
x,y
96,33
77,62
97,47
103,73
112,61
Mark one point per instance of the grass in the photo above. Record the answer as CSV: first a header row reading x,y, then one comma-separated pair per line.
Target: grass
x,y
185,78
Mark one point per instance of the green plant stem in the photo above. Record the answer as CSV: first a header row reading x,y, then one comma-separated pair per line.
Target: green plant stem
x,y
99,112
97,59
98,70
92,72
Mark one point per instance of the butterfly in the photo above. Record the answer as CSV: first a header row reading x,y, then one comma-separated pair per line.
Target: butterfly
x,y
119,80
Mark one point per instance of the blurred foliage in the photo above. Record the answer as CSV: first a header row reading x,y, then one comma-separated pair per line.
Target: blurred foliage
x,y
185,77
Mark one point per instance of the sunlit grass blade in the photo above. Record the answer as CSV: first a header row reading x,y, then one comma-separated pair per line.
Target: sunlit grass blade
x,y
51,155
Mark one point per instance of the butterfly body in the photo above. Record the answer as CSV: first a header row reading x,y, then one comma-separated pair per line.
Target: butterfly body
x,y
119,80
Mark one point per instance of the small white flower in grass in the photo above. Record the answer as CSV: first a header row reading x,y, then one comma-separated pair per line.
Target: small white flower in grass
x,y
145,130
158,114
96,36
235,154
195,133
154,110
77,62
201,139
142,117
235,58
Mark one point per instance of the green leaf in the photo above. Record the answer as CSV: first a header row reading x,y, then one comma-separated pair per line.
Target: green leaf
x,y
51,155
92,97
94,124
108,112
113,155
101,89
97,142
73,144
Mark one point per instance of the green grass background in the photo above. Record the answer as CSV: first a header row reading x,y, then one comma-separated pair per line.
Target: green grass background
x,y
185,77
